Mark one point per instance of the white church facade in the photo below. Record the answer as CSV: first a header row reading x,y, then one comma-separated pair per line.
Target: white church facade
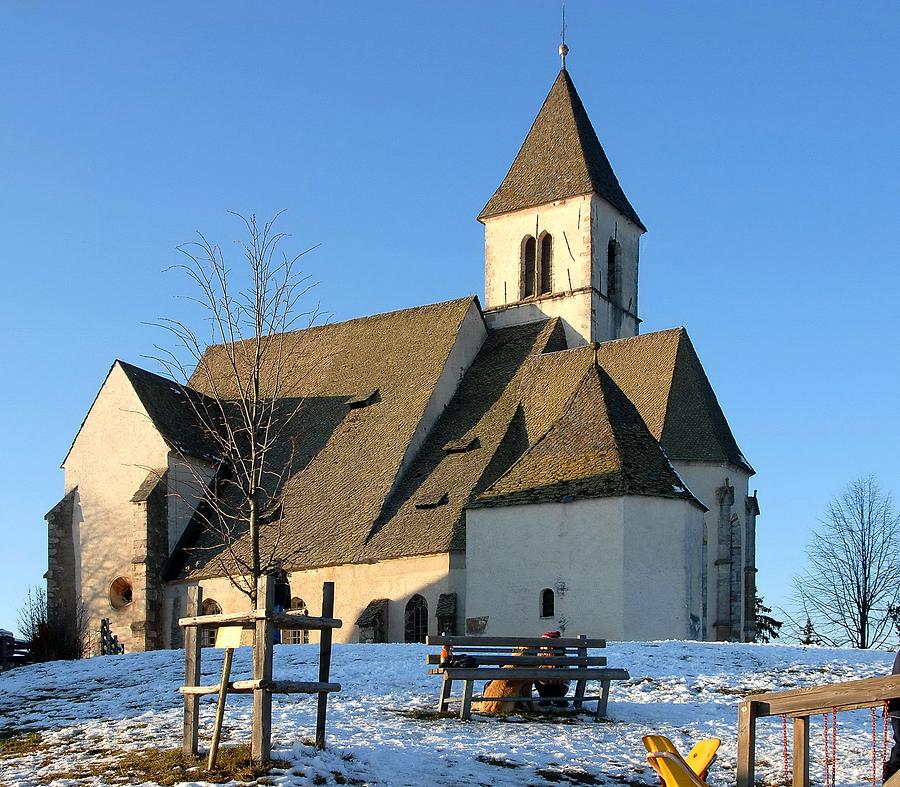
x,y
497,468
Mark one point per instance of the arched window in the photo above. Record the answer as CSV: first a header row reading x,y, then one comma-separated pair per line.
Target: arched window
x,y
548,603
297,636
208,636
612,268
416,628
546,283
529,258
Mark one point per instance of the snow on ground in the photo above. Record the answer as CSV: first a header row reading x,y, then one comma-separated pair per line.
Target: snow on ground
x,y
92,709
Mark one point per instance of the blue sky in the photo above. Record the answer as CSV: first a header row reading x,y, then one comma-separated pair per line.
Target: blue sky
x,y
758,143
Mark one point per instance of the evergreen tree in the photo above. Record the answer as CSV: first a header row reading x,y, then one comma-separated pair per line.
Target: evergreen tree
x,y
808,634
766,626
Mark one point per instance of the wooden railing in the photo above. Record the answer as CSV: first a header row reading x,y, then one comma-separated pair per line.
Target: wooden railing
x,y
263,621
800,704
13,652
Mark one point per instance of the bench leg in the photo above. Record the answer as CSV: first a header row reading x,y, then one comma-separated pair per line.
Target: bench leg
x,y
578,700
604,699
446,684
465,711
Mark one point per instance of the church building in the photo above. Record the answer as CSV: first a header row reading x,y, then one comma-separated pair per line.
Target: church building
x,y
503,467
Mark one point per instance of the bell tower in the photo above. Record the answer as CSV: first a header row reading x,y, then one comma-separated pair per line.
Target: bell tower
x,y
561,237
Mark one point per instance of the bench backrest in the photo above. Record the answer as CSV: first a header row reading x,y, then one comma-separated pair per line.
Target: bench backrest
x,y
522,651
465,644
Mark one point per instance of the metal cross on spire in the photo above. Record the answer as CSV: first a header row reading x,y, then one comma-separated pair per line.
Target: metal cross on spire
x,y
563,49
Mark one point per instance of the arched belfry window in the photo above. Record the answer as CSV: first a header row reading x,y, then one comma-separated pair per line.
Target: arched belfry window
x,y
548,603
546,278
416,619
529,258
612,269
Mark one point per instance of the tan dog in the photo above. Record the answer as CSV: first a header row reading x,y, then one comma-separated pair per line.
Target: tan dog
x,y
505,688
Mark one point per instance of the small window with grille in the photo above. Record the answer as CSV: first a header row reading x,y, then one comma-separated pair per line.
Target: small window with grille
x,y
208,636
297,636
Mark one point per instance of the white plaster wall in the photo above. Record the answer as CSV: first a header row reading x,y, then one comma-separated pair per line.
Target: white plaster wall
x,y
617,585
574,310
514,552
606,223
471,336
581,228
108,462
568,221
703,479
188,480
354,587
663,553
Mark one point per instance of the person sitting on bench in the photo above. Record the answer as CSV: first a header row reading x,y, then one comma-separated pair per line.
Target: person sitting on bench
x,y
552,690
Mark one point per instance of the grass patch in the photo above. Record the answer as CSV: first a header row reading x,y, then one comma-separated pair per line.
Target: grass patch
x,y
570,775
500,762
18,745
171,766
424,714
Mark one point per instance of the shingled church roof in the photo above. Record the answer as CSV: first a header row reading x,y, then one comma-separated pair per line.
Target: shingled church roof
x,y
599,447
561,157
661,373
172,413
529,421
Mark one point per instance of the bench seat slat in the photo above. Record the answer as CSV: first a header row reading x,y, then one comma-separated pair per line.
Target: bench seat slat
x,y
537,673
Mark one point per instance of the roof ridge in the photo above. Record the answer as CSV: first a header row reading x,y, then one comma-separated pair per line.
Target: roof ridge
x,y
548,431
601,373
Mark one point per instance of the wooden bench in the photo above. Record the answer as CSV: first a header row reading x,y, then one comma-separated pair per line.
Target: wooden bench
x,y
527,659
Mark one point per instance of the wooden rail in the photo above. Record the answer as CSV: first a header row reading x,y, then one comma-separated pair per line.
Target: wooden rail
x,y
264,621
800,704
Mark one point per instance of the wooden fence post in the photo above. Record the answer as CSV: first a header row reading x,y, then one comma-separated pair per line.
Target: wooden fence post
x,y
801,751
192,674
263,645
324,662
746,747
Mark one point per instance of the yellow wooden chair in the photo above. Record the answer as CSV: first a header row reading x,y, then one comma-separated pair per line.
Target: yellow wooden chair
x,y
699,760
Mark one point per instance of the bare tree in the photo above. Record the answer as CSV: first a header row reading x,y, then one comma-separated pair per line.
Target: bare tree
x,y
853,577
233,381
60,633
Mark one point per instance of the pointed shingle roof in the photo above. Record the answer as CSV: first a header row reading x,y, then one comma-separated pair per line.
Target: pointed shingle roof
x,y
661,373
599,447
561,157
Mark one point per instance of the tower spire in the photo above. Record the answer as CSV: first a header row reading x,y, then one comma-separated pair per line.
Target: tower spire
x,y
563,49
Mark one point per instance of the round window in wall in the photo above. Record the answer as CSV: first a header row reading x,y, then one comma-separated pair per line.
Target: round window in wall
x,y
120,592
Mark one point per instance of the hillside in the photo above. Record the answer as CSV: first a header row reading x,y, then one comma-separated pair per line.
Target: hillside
x,y
67,720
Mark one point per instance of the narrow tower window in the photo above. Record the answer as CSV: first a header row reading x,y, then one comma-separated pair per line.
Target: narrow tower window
x,y
529,256
546,263
612,272
548,605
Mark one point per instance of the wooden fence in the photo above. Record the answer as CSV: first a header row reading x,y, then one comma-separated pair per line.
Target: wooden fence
x,y
13,652
263,621
799,705
109,642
